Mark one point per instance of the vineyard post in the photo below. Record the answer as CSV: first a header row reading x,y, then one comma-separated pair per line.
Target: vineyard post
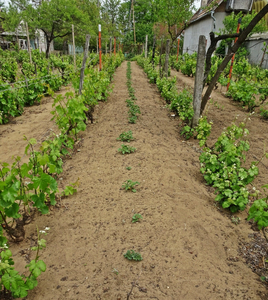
x,y
178,49
146,45
28,43
198,86
73,46
160,59
97,45
114,45
110,46
154,43
82,73
100,44
232,62
167,57
26,82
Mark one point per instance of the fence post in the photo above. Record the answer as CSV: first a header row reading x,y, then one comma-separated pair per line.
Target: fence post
x,y
167,57
146,45
199,76
110,46
73,46
28,42
114,45
82,73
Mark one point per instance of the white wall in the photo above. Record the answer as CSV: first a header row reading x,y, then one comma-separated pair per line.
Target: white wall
x,y
256,53
201,27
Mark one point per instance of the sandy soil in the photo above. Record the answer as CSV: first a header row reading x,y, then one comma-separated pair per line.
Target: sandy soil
x,y
189,245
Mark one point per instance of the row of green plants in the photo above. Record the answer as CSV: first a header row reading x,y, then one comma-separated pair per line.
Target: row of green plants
x,y
222,164
127,137
248,84
32,186
133,109
23,84
223,167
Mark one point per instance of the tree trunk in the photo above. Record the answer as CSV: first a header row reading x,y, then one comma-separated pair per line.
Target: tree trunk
x,y
48,46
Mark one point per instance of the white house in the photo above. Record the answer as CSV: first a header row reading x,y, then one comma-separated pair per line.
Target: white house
x,y
210,18
39,42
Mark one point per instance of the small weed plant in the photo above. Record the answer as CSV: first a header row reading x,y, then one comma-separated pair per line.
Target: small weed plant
x,y
132,255
134,109
126,136
125,149
136,218
259,210
129,185
201,131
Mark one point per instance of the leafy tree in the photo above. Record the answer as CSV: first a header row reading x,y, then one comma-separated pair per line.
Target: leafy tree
x,y
54,17
175,14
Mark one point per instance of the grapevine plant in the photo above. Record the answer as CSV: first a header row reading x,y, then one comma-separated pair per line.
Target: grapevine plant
x,y
222,168
29,186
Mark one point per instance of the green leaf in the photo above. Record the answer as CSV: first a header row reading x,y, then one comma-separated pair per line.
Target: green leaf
x,y
12,211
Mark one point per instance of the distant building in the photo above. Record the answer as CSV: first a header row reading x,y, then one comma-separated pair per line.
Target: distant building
x,y
19,37
210,18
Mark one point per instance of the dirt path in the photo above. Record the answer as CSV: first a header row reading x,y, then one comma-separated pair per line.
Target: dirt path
x,y
35,122
189,248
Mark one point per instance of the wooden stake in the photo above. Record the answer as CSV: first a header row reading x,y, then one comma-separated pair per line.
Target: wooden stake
x,y
232,62
110,46
160,59
114,45
134,23
100,45
198,85
167,57
153,51
82,73
146,45
28,42
73,46
178,49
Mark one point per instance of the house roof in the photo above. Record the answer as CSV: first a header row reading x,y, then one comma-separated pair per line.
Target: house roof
x,y
206,11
